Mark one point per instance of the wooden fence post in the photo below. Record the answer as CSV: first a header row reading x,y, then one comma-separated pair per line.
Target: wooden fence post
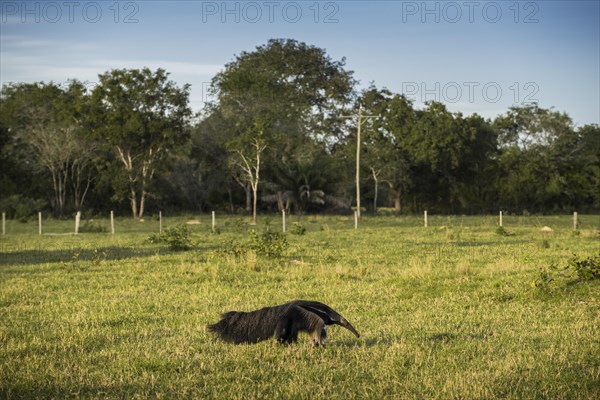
x,y
283,219
77,221
40,222
214,222
160,222
3,223
112,222
575,225
500,218
425,218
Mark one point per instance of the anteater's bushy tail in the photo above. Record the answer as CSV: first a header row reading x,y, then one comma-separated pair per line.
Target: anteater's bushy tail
x,y
247,327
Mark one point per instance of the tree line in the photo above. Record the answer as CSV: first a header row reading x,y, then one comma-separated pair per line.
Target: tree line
x,y
276,136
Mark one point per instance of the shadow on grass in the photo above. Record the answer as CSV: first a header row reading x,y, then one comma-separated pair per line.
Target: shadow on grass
x,y
73,254
488,243
364,342
428,340
16,390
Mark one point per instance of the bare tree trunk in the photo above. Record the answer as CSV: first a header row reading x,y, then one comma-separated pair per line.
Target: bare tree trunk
x,y
134,209
55,187
259,149
280,205
254,201
375,175
231,205
375,197
63,187
76,184
251,168
79,167
59,182
128,163
397,201
147,174
82,198
396,189
248,199
142,204
79,196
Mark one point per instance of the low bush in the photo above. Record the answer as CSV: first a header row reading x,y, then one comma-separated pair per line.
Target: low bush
x,y
500,230
269,244
177,238
586,268
90,226
297,229
232,248
579,268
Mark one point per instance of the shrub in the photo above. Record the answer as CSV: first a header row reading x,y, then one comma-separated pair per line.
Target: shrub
x,y
98,256
586,268
297,229
545,278
270,244
92,227
500,230
233,248
177,238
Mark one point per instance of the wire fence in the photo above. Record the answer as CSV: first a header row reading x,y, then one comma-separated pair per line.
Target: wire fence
x,y
112,224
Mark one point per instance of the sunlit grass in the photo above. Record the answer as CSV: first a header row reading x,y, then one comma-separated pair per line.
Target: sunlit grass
x,y
444,312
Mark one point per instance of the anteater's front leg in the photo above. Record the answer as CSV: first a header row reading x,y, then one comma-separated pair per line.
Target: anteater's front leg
x,y
285,331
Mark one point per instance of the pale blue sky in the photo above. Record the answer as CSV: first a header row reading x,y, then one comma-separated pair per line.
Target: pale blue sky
x,y
476,56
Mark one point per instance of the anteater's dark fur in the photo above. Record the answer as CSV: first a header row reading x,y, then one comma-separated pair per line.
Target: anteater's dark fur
x,y
283,321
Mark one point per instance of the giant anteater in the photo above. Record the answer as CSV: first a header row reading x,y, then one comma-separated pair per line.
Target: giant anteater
x,y
283,321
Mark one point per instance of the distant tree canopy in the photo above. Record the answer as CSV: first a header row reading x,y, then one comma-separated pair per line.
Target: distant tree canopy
x,y
142,116
279,105
47,121
274,138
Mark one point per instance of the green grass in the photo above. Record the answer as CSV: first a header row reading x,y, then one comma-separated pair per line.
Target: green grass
x,y
444,312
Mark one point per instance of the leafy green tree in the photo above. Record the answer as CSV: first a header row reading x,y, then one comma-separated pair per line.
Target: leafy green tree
x,y
247,150
475,189
303,181
17,166
440,144
530,125
84,165
387,153
49,119
441,138
143,117
209,151
546,164
275,99
583,172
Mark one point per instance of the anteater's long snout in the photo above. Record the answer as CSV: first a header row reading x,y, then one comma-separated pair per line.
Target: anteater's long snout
x,y
348,326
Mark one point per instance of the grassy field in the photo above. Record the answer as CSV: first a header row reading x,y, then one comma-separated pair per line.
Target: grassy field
x,y
444,312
